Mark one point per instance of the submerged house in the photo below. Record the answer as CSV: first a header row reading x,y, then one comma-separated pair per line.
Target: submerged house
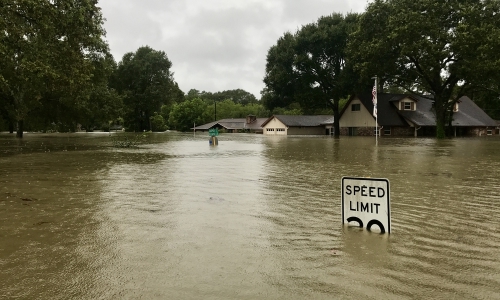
x,y
249,124
298,125
410,115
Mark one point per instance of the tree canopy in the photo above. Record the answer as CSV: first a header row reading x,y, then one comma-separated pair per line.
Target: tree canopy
x,y
46,48
310,67
146,83
184,115
237,96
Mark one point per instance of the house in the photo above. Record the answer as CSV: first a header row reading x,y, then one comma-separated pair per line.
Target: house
x,y
410,115
249,124
298,125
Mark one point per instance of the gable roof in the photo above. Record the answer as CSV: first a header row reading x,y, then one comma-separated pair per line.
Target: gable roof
x,y
468,114
422,116
302,121
387,114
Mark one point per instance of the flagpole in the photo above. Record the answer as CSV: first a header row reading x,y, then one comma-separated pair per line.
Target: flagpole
x,y
375,107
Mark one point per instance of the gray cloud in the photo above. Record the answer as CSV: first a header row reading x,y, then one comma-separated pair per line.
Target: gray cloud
x,y
214,45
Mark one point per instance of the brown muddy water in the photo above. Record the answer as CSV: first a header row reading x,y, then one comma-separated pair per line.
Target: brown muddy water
x,y
255,217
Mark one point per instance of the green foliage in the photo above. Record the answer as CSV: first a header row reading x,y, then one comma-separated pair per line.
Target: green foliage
x,y
146,83
228,109
237,96
342,103
489,101
445,49
158,123
286,111
47,49
310,67
280,79
184,115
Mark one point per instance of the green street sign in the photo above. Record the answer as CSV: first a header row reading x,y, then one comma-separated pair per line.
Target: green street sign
x,y
213,132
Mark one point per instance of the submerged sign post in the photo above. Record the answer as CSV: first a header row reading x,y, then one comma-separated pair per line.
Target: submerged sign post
x,y
366,201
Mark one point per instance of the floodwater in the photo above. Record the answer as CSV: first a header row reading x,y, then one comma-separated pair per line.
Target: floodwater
x,y
255,217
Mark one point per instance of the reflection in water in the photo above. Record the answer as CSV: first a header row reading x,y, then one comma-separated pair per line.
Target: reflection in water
x,y
255,217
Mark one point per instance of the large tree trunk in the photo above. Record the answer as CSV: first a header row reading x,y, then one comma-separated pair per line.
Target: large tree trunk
x,y
449,119
20,128
441,107
440,120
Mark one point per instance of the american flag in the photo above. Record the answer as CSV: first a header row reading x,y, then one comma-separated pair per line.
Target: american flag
x,y
374,93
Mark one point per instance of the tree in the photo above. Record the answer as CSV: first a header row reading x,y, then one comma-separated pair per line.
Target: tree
x,y
45,48
146,83
442,49
184,115
237,96
311,67
280,79
103,103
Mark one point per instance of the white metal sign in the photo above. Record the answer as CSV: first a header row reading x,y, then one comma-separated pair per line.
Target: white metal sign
x,y
366,201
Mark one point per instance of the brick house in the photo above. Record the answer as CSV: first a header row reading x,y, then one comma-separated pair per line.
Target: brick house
x,y
298,125
410,115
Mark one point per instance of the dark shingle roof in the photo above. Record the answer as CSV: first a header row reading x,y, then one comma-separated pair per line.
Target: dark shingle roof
x,y
423,115
387,114
469,114
205,126
302,121
231,124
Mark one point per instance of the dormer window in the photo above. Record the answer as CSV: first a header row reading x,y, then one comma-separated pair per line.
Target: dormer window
x,y
455,107
407,105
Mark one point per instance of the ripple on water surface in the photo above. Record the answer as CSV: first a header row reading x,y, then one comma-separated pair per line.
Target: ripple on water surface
x,y
255,217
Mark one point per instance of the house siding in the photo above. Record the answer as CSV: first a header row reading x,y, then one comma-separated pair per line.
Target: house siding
x,y
479,131
361,118
307,130
360,131
275,124
401,104
402,131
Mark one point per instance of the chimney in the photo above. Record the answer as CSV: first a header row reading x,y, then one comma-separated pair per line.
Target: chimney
x,y
251,119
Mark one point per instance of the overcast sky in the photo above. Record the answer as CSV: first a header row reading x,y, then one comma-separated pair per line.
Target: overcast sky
x,y
214,45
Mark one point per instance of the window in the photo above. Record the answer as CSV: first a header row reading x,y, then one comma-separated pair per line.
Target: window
x,y
407,105
387,131
280,129
269,129
353,131
489,132
356,107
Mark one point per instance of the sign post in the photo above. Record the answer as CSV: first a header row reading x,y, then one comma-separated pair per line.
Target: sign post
x,y
213,132
366,201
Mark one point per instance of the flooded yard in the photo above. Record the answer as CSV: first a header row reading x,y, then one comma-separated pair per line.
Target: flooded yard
x,y
255,217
